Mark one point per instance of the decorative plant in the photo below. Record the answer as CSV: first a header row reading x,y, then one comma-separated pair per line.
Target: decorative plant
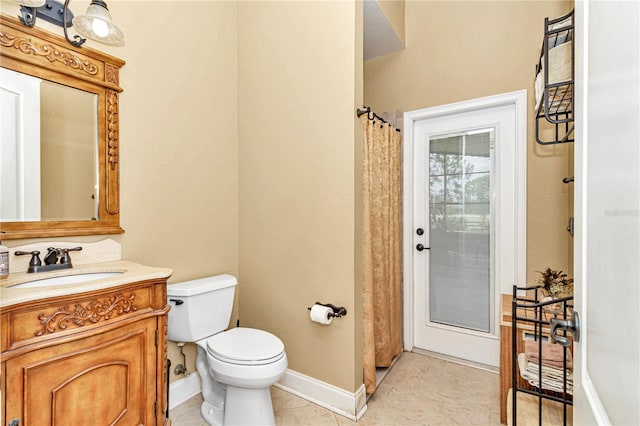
x,y
553,283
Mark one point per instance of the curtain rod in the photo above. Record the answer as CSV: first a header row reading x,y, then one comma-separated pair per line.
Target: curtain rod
x,y
371,115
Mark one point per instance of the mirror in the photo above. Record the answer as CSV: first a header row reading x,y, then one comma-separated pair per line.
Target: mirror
x,y
50,174
59,136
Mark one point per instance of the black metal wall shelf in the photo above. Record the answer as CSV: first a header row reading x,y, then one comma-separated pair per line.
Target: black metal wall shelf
x,y
555,74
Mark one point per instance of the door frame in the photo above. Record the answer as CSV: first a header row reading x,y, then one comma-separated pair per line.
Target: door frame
x,y
515,260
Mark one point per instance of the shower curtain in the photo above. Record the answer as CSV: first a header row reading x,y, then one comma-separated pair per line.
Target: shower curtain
x,y
382,245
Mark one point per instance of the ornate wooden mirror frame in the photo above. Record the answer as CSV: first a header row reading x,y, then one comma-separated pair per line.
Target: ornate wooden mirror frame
x,y
45,55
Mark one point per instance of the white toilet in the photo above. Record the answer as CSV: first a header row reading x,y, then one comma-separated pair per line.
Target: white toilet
x,y
236,366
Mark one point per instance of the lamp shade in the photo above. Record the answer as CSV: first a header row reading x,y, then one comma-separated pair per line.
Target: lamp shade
x,y
96,24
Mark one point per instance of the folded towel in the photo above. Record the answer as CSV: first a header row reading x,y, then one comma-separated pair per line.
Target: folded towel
x,y
559,63
549,373
551,380
551,354
559,71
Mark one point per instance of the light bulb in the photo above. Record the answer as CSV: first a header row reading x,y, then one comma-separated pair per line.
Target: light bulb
x,y
100,27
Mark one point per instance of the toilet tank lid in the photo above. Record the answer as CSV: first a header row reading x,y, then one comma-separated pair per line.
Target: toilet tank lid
x,y
201,285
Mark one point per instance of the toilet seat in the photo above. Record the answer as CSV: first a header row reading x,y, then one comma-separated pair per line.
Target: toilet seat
x,y
245,346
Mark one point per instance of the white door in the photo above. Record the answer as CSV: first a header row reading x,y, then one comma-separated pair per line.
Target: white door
x,y
607,202
463,227
19,146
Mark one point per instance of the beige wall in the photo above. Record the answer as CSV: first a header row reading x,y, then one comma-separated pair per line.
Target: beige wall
x,y
178,136
459,50
179,163
299,84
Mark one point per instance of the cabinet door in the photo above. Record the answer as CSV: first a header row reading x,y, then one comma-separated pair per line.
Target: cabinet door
x,y
105,379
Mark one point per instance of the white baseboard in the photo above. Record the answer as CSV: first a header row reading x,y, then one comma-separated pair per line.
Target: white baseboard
x,y
347,404
457,360
183,390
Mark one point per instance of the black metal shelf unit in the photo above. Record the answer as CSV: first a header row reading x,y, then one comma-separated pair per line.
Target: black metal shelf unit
x,y
555,74
530,311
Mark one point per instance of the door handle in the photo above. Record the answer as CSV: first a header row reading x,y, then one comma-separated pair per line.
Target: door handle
x,y
420,247
570,227
571,326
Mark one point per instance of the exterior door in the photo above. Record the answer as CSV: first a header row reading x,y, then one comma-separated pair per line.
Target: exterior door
x,y
464,180
607,202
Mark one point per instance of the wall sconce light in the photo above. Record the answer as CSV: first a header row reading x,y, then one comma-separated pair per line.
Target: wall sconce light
x,y
94,24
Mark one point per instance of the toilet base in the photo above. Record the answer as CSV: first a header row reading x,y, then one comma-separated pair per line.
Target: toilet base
x,y
236,394
248,407
211,414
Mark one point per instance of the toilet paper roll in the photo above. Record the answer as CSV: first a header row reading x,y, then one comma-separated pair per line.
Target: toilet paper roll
x,y
321,314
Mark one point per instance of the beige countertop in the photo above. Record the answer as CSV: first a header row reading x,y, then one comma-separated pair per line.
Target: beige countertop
x,y
130,272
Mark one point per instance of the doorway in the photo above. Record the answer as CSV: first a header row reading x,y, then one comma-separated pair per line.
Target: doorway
x,y
464,223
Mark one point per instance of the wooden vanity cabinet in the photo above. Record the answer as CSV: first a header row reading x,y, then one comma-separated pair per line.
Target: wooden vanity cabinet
x,y
95,358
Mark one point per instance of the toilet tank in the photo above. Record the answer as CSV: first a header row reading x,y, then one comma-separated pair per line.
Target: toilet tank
x,y
200,308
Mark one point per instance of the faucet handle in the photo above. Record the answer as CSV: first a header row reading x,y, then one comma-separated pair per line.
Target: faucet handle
x,y
65,254
35,257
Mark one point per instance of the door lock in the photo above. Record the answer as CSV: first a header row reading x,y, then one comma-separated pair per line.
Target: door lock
x,y
419,231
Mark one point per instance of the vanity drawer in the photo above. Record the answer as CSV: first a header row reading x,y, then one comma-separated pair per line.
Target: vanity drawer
x,y
65,317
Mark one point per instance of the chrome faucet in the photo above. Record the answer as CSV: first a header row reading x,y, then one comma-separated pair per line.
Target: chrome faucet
x,y
50,260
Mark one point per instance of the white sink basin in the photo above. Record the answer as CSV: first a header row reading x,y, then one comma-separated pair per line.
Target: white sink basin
x,y
67,279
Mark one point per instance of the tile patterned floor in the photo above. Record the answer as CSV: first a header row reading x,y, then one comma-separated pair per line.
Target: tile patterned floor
x,y
419,390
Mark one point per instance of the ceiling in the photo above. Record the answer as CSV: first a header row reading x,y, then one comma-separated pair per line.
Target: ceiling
x,y
379,36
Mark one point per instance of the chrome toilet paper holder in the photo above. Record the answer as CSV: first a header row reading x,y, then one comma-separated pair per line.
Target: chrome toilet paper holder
x,y
338,311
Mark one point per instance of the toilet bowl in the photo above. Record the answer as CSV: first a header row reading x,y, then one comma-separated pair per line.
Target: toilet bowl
x,y
236,366
247,361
